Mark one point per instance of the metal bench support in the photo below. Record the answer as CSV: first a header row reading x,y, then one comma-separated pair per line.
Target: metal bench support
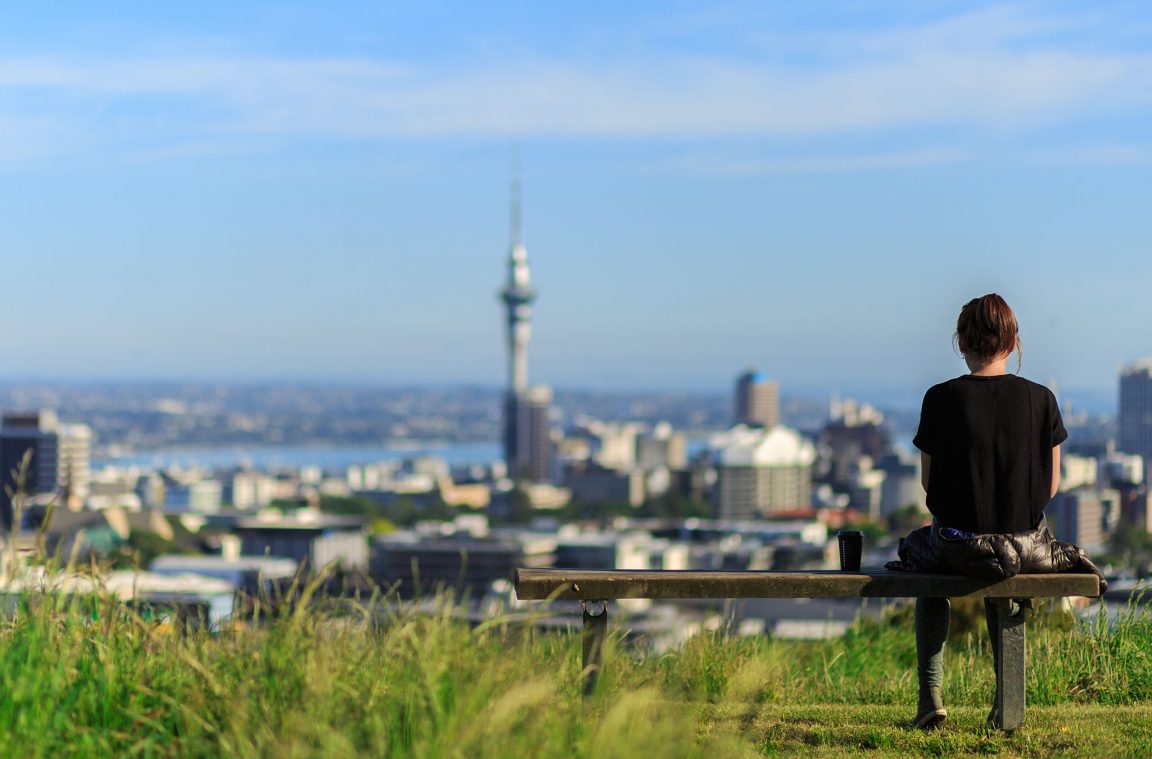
x,y
595,631
1008,653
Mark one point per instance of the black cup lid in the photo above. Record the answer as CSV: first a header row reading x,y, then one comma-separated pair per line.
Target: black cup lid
x,y
851,533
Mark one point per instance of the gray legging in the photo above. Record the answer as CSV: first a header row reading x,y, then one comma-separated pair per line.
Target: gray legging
x,y
932,630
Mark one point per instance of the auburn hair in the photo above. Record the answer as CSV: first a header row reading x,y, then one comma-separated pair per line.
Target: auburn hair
x,y
987,328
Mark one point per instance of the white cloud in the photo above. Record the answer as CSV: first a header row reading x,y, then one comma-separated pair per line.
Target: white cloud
x,y
1111,155
735,165
968,71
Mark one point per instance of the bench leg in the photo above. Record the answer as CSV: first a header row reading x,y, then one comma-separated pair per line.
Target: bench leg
x,y
1008,645
595,631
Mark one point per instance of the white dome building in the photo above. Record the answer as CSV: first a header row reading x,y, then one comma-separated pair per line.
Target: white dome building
x,y
763,471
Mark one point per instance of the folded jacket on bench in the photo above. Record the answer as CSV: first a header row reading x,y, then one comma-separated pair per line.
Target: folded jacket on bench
x,y
992,556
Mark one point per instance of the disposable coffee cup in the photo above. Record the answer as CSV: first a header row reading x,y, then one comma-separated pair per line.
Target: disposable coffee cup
x,y
851,547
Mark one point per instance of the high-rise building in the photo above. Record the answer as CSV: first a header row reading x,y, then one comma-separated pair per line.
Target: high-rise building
x,y
74,452
1134,419
762,471
1085,516
901,484
535,454
757,400
57,458
528,448
662,447
192,494
616,444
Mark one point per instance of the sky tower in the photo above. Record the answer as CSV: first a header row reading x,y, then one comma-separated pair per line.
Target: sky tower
x,y
517,296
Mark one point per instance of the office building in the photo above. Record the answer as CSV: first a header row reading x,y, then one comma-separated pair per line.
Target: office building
x,y
189,493
74,456
249,490
604,551
533,451
57,456
1084,517
312,539
112,487
593,483
757,400
761,471
663,447
1119,468
1135,505
1078,471
901,486
248,574
466,564
615,444
1134,419
538,463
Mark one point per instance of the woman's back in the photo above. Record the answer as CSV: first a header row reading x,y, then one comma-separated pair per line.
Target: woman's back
x,y
990,439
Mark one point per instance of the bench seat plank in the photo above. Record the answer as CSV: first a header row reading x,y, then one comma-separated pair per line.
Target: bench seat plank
x,y
602,585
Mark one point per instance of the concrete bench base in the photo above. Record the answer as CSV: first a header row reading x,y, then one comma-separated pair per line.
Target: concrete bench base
x,y
595,588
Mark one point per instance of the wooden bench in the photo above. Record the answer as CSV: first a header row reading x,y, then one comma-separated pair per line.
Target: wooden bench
x,y
593,589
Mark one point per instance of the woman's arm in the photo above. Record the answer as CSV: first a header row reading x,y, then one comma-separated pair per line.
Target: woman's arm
x,y
926,465
1055,471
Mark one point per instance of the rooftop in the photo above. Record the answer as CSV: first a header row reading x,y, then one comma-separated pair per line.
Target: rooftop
x,y
775,446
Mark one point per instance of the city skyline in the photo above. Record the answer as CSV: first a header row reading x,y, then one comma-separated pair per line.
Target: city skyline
x,y
814,192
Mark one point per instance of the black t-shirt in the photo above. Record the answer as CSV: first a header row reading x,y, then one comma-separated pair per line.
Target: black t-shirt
x,y
991,440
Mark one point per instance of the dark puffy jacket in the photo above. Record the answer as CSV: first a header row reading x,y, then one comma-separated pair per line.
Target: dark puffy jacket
x,y
995,556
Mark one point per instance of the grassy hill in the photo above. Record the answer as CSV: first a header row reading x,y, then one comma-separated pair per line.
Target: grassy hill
x,y
320,681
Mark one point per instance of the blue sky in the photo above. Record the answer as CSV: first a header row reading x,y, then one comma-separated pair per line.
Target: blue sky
x,y
319,190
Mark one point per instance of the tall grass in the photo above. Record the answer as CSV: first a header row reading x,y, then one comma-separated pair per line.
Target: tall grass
x,y
328,679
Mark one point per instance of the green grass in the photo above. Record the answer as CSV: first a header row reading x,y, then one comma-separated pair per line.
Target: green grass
x,y
325,683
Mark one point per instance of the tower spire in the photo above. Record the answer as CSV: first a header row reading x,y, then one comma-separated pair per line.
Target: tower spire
x,y
516,233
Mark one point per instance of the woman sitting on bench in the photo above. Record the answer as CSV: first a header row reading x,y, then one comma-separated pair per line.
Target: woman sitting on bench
x,y
990,451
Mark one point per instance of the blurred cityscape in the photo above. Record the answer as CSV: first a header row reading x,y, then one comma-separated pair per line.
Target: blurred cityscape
x,y
202,492
138,417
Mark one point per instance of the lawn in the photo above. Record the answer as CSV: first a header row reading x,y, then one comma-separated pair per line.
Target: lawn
x,y
320,679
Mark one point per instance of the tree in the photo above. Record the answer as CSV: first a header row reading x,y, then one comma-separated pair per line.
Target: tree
x,y
674,506
140,549
520,509
1131,546
874,532
906,519
350,505
402,511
